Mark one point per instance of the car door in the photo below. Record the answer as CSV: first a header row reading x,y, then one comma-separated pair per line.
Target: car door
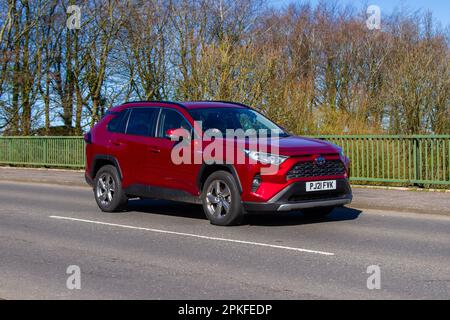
x,y
117,146
134,147
176,176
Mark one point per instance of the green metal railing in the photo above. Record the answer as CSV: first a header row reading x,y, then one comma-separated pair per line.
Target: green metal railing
x,y
43,151
415,159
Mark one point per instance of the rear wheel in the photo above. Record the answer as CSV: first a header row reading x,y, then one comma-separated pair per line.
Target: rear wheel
x,y
221,199
317,212
108,189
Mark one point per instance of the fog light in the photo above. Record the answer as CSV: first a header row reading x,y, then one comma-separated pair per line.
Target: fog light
x,y
256,182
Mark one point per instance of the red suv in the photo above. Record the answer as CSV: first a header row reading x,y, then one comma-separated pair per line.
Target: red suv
x,y
130,153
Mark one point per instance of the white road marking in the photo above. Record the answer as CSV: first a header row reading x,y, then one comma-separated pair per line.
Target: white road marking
x,y
195,235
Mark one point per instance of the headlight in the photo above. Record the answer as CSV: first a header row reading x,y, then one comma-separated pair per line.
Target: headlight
x,y
265,158
341,153
343,157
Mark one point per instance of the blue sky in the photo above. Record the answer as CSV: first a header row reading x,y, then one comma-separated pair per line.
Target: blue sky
x,y
439,8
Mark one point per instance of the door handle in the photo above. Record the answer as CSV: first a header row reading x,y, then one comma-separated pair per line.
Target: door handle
x,y
116,142
155,150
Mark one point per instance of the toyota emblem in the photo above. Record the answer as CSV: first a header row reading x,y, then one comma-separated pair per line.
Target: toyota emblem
x,y
320,161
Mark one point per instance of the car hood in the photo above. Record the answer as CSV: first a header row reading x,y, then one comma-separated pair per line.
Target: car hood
x,y
295,146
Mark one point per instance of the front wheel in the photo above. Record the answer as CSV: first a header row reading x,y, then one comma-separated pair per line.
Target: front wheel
x,y
221,199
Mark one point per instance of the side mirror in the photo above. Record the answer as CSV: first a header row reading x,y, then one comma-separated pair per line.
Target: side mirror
x,y
179,134
170,134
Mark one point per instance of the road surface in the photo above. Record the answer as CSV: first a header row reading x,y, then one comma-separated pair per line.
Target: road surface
x,y
165,250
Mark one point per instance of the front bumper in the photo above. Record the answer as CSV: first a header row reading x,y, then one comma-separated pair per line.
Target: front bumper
x,y
295,197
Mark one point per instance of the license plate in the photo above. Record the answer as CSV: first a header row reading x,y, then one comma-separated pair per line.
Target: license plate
x,y
321,185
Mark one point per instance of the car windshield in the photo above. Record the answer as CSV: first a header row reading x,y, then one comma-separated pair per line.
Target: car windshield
x,y
234,118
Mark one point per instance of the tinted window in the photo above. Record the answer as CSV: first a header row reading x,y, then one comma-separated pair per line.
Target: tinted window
x,y
233,118
171,119
142,121
118,122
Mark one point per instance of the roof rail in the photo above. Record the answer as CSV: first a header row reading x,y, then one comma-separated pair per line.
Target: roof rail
x,y
156,101
236,103
224,101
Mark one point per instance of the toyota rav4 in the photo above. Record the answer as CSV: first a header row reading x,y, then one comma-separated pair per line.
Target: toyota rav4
x,y
169,150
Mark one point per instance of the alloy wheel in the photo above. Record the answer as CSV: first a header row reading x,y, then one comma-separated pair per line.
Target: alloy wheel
x,y
218,198
106,188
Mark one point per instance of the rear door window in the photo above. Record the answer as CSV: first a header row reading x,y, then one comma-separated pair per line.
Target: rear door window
x,y
142,121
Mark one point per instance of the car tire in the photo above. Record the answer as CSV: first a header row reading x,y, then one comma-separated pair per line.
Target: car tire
x,y
108,191
221,199
317,212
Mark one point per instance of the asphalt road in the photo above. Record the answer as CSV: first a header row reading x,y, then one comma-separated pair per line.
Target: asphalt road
x,y
164,250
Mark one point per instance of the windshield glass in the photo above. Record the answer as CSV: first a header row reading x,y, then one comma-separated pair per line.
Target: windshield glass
x,y
234,118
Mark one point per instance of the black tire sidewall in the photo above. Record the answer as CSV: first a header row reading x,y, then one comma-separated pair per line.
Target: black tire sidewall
x,y
119,196
235,215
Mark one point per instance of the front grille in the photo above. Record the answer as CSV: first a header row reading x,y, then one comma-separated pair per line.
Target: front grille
x,y
307,169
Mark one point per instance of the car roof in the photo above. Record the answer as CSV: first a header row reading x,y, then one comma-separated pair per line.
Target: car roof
x,y
186,105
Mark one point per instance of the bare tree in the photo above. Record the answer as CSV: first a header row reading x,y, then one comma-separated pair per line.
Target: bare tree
x,y
312,68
